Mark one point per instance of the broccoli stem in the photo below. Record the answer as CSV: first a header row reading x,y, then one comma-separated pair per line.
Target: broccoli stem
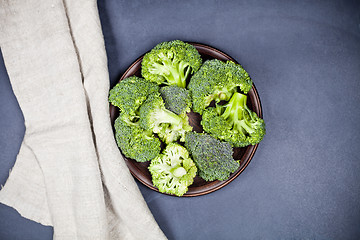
x,y
132,120
178,171
244,125
166,116
236,112
174,78
173,71
233,109
220,94
184,70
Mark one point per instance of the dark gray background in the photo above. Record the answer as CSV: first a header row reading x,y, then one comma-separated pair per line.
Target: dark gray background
x,y
304,58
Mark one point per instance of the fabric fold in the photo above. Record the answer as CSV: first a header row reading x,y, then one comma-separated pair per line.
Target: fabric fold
x,y
26,192
76,179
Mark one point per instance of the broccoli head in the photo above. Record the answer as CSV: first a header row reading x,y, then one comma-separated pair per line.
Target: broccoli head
x,y
217,80
155,117
135,142
170,63
173,170
176,99
212,157
130,93
234,122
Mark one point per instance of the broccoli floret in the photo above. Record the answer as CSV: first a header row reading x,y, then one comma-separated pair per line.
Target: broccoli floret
x,y
212,157
173,170
130,93
234,122
135,142
170,63
155,117
176,99
217,81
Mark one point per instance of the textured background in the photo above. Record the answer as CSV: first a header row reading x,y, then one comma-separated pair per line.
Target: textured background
x,y
304,57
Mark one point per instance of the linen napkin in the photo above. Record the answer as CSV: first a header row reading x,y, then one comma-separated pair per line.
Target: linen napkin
x,y
69,172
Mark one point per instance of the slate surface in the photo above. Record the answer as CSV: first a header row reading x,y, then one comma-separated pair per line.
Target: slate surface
x,y
304,57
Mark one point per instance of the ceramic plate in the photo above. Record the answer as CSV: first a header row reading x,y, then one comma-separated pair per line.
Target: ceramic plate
x,y
200,186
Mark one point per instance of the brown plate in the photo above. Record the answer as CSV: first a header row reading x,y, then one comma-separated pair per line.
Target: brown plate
x,y
200,186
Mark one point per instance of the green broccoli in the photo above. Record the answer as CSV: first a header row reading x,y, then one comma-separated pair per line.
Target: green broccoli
x,y
155,117
176,99
173,170
217,81
234,122
135,142
212,157
170,63
130,93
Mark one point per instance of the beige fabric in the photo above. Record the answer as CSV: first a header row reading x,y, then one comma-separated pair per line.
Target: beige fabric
x,y
69,172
